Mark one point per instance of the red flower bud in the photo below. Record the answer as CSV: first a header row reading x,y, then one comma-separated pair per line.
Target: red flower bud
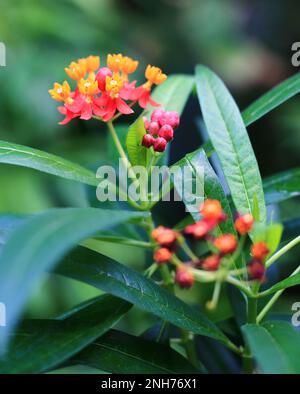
x,y
156,115
226,243
153,128
166,132
200,229
184,277
244,223
148,140
256,270
170,118
212,209
259,250
162,255
166,237
159,145
101,77
211,263
146,123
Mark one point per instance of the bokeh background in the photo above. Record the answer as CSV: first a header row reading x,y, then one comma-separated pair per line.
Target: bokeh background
x,y
247,42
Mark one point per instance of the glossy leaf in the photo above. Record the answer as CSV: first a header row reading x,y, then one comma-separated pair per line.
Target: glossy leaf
x,y
272,99
40,345
275,346
114,278
202,171
293,280
229,137
38,244
137,153
118,352
42,161
282,186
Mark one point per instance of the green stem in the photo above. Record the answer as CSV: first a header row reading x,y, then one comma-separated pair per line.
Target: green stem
x,y
188,342
282,251
251,319
272,301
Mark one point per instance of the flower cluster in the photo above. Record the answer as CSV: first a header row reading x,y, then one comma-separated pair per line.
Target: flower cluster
x,y
225,248
103,92
160,129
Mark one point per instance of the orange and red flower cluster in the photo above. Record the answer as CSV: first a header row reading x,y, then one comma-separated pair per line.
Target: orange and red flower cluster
x,y
103,92
161,125
223,245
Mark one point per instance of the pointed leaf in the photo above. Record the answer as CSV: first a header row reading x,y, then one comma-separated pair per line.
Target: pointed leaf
x,y
282,186
42,161
229,137
275,346
38,244
118,352
114,278
40,345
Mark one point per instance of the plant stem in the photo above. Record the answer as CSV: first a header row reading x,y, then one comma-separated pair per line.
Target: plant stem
x,y
272,301
251,319
282,251
189,345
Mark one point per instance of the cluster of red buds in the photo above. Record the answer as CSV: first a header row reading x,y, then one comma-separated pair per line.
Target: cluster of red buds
x,y
223,246
103,92
160,129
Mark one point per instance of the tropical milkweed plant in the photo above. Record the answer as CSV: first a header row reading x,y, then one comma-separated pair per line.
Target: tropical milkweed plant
x,y
226,247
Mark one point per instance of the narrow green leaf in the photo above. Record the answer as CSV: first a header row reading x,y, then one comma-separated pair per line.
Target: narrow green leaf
x,y
291,281
114,278
203,173
137,153
40,345
282,186
229,137
275,346
272,99
118,352
38,244
42,161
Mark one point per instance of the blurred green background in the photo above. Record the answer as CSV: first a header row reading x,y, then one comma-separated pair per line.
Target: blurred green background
x,y
247,42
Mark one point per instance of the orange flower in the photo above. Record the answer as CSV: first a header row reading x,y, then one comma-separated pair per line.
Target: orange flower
x,y
211,263
162,255
76,70
114,62
244,223
113,85
88,86
60,92
154,75
226,243
92,63
128,65
166,237
212,209
259,250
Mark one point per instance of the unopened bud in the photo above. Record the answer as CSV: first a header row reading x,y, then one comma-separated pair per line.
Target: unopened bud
x,y
159,145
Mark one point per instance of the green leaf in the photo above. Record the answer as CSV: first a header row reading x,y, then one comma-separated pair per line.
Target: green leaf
x,y
202,171
42,161
293,280
266,103
38,244
275,346
118,352
114,278
173,93
272,99
137,153
282,186
40,345
229,137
